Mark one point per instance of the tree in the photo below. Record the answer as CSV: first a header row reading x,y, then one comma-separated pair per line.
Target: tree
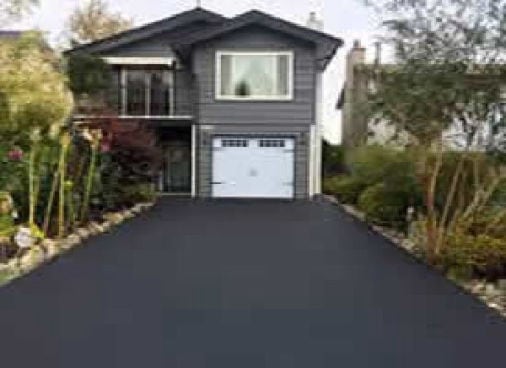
x,y
449,75
34,94
11,10
94,21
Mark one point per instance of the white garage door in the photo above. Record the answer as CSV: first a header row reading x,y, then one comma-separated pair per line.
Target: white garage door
x,y
253,167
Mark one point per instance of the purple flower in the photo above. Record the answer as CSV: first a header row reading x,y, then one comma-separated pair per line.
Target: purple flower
x,y
15,154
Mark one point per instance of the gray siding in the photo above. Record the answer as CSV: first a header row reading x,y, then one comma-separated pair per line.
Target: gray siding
x,y
298,111
184,94
205,155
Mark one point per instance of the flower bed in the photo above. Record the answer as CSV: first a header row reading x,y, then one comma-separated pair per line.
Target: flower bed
x,y
48,249
492,294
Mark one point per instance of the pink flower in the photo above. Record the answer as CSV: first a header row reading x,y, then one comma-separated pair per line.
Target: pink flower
x,y
15,154
105,146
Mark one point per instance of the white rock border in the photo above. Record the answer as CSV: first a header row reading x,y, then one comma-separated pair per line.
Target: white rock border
x,y
494,296
49,249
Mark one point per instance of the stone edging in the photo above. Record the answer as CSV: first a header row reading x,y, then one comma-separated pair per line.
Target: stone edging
x,y
494,296
49,249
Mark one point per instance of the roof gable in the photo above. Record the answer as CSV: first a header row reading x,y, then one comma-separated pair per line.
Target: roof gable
x,y
264,19
149,30
326,44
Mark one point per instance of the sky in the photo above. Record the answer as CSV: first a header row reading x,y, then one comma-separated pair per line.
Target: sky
x,y
347,19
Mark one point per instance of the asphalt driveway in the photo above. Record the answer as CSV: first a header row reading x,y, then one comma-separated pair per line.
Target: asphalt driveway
x,y
243,284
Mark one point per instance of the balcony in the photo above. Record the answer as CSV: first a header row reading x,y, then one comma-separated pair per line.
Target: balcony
x,y
154,94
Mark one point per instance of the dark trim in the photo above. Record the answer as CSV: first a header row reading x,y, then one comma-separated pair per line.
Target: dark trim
x,y
342,98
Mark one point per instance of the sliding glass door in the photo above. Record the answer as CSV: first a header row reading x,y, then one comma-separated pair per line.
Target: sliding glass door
x,y
148,92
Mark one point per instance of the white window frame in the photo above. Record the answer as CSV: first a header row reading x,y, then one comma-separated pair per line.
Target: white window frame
x,y
220,96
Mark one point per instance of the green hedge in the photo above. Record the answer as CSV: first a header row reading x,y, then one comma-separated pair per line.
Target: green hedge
x,y
345,188
385,205
381,181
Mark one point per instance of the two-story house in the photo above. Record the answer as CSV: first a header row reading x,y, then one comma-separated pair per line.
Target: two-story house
x,y
236,102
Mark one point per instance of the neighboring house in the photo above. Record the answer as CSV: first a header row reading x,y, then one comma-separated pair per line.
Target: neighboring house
x,y
7,36
358,128
236,101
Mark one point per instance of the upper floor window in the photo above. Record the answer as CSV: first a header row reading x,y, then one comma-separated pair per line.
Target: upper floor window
x,y
147,91
254,75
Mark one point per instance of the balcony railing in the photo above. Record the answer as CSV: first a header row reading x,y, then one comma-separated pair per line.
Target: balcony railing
x,y
170,94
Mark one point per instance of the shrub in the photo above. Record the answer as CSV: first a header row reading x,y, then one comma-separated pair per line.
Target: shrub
x,y
135,193
346,188
372,164
383,184
386,205
480,256
477,247
499,197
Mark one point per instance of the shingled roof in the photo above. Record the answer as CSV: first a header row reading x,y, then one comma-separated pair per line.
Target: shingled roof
x,y
150,29
216,25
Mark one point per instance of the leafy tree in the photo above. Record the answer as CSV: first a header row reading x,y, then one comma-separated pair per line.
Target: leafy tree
x,y
34,95
448,77
94,21
88,74
11,10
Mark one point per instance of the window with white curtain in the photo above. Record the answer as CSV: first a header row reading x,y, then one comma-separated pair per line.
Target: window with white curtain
x,y
254,75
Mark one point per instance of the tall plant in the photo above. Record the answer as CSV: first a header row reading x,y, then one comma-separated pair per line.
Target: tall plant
x,y
62,168
448,77
94,139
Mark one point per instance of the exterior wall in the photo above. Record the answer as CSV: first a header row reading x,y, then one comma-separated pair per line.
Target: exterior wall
x,y
205,154
288,118
195,92
184,93
298,111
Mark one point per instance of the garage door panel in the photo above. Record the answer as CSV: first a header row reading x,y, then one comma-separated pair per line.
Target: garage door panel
x,y
253,168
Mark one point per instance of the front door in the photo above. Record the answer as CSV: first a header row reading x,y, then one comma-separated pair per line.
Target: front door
x,y
177,168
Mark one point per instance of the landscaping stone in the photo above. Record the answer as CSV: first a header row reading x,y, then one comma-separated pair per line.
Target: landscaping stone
x,y
114,218
492,291
95,228
83,233
137,209
106,226
13,263
35,255
70,241
31,259
51,248
146,206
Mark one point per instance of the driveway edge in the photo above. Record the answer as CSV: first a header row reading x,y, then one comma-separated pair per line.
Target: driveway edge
x,y
487,293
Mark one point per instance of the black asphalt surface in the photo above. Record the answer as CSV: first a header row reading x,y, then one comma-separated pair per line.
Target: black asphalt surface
x,y
238,284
